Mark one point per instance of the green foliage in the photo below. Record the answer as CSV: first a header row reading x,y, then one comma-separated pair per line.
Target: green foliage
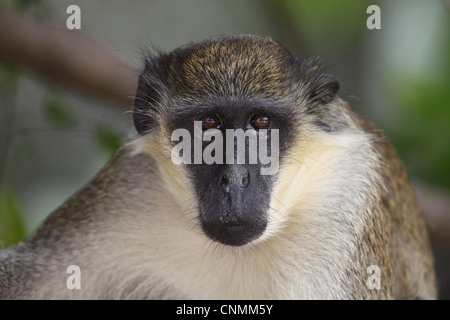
x,y
108,139
328,23
8,73
21,5
28,3
57,112
423,135
12,227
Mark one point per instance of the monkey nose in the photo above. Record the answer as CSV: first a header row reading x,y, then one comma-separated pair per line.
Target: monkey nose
x,y
237,175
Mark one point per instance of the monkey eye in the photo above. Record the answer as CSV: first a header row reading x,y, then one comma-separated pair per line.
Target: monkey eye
x,y
259,121
211,122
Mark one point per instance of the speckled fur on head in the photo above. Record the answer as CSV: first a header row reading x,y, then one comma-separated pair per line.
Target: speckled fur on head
x,y
233,68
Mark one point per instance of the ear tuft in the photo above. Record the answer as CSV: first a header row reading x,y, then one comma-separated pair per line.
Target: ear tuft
x,y
325,89
142,120
147,97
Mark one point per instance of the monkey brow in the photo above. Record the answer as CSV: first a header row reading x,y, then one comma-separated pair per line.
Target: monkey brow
x,y
232,105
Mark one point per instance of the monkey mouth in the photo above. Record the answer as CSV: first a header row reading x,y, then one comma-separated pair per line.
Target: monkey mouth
x,y
233,231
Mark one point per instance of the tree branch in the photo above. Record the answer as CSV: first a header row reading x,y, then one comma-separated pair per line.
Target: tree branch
x,y
69,58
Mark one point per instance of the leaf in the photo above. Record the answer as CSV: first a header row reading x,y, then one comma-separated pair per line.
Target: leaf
x,y
57,112
108,139
423,134
8,74
12,227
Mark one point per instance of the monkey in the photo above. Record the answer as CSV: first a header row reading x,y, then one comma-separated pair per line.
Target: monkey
x,y
338,212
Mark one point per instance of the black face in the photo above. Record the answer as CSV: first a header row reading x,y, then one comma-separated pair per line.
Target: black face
x,y
234,197
251,84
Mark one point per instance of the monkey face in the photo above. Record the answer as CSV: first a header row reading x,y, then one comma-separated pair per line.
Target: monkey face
x,y
232,159
194,96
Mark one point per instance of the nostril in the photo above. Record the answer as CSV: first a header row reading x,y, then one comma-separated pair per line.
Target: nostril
x,y
225,182
245,180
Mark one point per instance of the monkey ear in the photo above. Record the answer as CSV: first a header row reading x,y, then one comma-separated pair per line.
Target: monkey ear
x,y
324,89
141,117
144,103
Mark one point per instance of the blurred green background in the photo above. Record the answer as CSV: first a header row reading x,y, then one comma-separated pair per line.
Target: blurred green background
x,y
52,140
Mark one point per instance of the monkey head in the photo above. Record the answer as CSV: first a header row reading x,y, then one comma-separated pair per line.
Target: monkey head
x,y
227,100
